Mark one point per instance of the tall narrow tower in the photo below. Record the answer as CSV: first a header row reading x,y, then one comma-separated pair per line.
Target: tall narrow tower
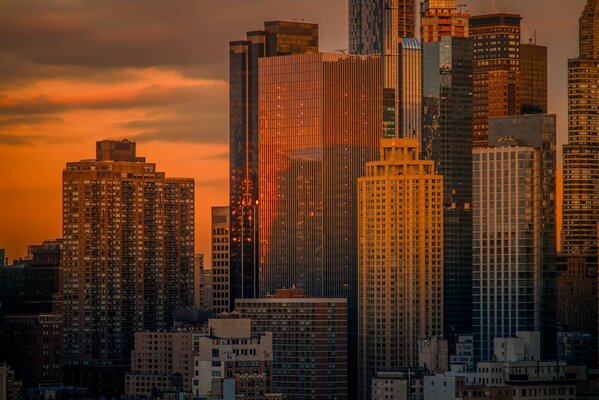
x,y
580,229
400,253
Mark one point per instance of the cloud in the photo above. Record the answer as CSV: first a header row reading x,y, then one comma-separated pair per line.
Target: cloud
x,y
13,140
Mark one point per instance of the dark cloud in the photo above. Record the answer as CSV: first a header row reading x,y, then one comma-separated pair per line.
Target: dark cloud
x,y
212,184
13,140
20,121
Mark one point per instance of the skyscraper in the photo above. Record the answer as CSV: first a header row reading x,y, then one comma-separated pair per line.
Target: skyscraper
x,y
441,18
220,259
380,27
447,140
409,90
581,154
400,253
580,227
533,79
320,121
495,70
127,260
514,232
277,38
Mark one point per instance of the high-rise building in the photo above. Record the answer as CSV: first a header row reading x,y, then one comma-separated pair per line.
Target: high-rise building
x,y
580,217
409,90
400,253
220,259
514,232
533,79
495,70
320,122
447,140
441,18
309,339
380,27
127,260
277,38
377,26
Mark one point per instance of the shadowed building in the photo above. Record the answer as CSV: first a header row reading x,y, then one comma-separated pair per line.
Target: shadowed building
x,y
278,38
127,260
514,232
447,140
309,343
533,79
220,259
400,256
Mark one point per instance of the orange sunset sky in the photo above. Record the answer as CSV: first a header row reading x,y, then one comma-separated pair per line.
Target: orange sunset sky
x,y
73,72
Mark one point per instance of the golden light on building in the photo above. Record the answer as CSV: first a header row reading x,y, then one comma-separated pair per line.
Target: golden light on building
x,y
400,258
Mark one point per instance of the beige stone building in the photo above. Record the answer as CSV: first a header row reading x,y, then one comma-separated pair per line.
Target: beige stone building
x,y
400,253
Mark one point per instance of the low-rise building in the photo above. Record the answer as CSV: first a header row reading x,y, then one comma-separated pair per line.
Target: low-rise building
x,y
404,384
232,363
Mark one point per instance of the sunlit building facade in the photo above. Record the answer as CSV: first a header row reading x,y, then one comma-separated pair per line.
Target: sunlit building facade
x,y
441,18
400,255
220,236
127,260
320,122
514,233
495,70
277,38
447,140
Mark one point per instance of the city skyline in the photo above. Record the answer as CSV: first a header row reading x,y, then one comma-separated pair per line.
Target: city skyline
x,y
171,99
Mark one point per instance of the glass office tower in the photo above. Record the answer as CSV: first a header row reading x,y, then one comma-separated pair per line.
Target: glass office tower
x,y
277,38
514,232
447,140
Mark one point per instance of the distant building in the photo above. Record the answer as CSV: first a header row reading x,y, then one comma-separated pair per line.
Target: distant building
x,y
127,260
158,358
198,266
404,384
433,354
9,387
221,273
232,363
464,352
441,18
576,348
533,79
576,295
400,253
495,70
309,342
33,345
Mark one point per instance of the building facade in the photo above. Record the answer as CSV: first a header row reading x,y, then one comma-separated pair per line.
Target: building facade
x,y
221,256
400,253
310,343
441,18
277,38
447,140
232,362
533,79
495,70
577,295
157,357
127,260
321,120
514,232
